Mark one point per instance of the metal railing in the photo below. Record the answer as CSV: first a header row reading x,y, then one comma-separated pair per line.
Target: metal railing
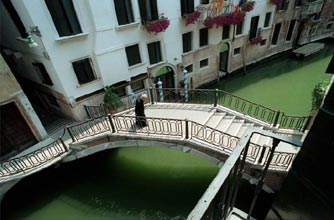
x,y
219,199
177,129
34,159
216,97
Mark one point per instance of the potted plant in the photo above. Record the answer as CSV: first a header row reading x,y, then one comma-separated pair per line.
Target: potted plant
x,y
111,100
157,26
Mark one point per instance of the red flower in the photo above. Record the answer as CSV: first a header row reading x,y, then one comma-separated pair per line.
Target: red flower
x,y
256,40
157,26
192,17
233,18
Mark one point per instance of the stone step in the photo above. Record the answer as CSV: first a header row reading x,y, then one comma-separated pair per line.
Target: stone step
x,y
225,123
215,119
234,128
243,128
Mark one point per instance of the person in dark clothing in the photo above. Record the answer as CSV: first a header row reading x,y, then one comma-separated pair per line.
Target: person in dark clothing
x,y
140,111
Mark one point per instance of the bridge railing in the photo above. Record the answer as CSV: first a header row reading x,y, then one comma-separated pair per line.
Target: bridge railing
x,y
34,159
180,129
219,199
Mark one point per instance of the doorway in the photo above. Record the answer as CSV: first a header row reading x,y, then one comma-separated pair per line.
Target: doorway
x,y
223,57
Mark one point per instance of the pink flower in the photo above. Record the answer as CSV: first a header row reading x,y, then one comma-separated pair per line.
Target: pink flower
x,y
157,26
276,2
192,17
233,18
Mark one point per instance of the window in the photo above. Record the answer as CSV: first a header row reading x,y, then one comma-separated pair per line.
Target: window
x,y
119,88
133,55
263,42
329,26
238,30
204,2
187,6
123,10
15,17
138,85
253,27
42,73
148,10
64,17
203,37
187,42
267,19
203,63
237,51
276,34
226,32
154,52
189,68
84,71
290,31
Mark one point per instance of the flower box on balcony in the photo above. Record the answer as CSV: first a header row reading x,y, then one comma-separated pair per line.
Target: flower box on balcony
x,y
157,26
256,40
248,6
191,18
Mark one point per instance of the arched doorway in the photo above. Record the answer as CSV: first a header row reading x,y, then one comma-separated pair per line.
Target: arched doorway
x,y
223,57
166,76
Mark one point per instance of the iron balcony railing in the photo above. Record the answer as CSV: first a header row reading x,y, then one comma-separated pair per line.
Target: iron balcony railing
x,y
33,160
177,129
311,7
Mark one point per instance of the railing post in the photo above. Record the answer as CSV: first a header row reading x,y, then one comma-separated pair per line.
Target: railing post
x,y
263,150
87,112
151,94
70,132
307,123
64,146
187,129
113,130
276,118
216,98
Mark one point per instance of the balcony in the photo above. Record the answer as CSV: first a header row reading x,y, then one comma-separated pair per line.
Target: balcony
x,y
312,7
215,8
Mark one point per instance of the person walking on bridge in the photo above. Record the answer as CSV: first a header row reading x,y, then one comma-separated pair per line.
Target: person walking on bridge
x,y
140,111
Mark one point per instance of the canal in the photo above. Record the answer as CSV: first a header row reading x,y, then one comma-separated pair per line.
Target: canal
x,y
120,184
283,83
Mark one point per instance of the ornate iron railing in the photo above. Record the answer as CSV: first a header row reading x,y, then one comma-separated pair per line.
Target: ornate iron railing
x,y
294,122
34,159
175,128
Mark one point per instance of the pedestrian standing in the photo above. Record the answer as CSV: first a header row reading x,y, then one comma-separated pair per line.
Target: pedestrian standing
x,y
140,111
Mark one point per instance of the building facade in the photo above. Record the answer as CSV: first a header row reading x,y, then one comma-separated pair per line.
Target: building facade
x,y
84,46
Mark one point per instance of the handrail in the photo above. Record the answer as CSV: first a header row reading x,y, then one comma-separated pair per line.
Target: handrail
x,y
34,159
177,128
216,97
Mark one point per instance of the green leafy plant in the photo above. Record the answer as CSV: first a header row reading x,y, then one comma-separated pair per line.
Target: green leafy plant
x,y
111,100
318,94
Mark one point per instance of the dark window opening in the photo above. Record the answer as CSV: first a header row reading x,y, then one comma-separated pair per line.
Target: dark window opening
x,y
237,51
253,27
226,32
187,42
203,37
133,55
42,73
204,63
290,31
15,17
148,10
64,17
267,19
189,68
123,10
187,6
263,42
138,85
205,2
84,71
276,34
238,30
154,52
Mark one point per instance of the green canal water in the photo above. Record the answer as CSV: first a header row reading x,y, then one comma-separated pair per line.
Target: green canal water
x,y
283,83
121,184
